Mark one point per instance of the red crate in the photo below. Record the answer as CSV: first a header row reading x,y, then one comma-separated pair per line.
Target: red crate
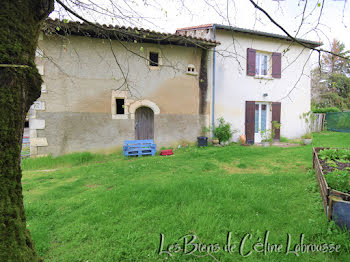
x,y
167,152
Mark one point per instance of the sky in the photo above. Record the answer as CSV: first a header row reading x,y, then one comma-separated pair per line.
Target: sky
x,y
168,15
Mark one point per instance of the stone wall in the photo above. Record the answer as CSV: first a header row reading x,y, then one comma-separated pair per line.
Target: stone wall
x,y
82,79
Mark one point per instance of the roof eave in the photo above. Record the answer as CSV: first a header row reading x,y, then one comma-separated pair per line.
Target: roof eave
x,y
309,43
125,34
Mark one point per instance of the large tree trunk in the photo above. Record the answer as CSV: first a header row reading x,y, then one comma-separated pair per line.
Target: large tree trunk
x,y
20,82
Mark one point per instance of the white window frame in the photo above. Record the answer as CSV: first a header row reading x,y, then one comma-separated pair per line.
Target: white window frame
x,y
119,95
258,68
191,70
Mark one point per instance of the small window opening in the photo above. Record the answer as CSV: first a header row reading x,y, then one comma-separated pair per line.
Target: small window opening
x,y
120,106
154,59
191,69
26,124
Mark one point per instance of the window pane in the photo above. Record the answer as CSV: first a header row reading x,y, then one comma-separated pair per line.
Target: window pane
x,y
120,106
257,65
264,66
263,117
256,118
154,59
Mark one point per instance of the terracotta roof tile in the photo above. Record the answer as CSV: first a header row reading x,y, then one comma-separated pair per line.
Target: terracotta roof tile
x,y
195,27
125,33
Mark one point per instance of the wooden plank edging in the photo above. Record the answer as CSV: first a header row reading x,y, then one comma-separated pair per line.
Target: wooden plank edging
x,y
325,190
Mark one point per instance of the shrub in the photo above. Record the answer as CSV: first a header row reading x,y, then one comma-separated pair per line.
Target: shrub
x,y
223,131
266,136
325,110
334,154
284,139
339,180
307,136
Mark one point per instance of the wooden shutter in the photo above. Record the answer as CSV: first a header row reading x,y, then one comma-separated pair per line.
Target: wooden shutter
x,y
249,121
251,57
276,65
276,116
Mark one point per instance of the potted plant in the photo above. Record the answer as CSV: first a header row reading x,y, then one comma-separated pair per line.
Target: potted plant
x,y
223,131
266,139
215,141
242,139
307,138
308,118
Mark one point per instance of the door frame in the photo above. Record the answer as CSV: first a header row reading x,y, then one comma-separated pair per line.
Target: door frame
x,y
136,123
257,136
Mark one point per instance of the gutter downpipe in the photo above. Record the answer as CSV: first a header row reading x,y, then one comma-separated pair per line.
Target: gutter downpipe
x,y
213,117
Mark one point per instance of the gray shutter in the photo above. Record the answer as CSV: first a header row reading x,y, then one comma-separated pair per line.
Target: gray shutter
x,y
276,65
251,57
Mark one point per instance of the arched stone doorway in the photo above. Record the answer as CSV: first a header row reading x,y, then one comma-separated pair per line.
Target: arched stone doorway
x,y
144,123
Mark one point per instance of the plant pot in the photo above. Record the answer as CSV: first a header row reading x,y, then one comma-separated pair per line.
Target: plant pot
x,y
202,141
215,141
242,138
307,141
265,144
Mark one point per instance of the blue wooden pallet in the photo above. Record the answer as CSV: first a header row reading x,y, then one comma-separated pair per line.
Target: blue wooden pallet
x,y
139,148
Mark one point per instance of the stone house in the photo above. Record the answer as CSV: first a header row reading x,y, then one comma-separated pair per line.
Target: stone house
x,y
258,78
102,87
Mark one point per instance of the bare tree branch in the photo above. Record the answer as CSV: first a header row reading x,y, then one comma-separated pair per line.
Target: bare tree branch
x,y
293,38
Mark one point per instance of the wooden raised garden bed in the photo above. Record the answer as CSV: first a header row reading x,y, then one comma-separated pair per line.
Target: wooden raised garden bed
x,y
336,203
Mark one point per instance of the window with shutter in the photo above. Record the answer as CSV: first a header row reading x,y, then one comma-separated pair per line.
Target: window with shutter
x,y
263,64
276,65
251,54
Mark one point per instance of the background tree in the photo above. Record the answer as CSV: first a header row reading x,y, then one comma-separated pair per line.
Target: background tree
x,y
337,92
330,82
318,85
335,64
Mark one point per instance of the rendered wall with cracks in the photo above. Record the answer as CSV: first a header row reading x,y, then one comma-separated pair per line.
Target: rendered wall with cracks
x,y
82,81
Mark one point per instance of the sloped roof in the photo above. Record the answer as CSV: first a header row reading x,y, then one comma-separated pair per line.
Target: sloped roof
x,y
249,31
195,27
128,34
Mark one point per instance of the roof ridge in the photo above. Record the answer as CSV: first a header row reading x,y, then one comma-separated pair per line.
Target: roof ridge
x,y
195,27
129,31
251,31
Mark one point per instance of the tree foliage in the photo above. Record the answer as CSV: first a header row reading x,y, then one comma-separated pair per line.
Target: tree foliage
x,y
335,64
337,92
331,82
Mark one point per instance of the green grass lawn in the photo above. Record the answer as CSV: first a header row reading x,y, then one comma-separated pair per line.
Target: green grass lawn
x,y
87,207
